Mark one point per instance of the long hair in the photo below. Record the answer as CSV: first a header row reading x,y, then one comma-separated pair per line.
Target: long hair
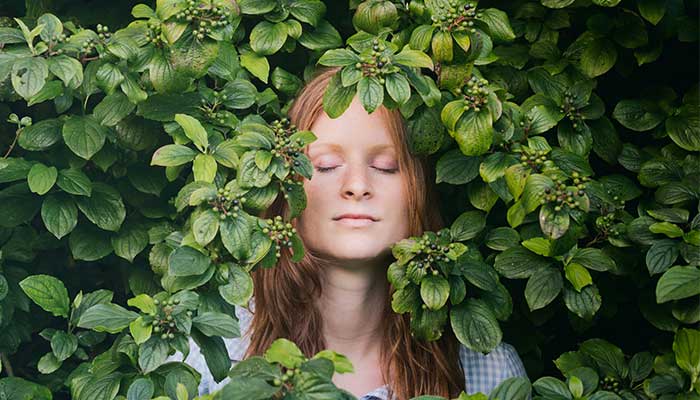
x,y
285,295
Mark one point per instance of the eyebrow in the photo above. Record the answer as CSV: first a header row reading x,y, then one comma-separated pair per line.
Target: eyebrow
x,y
337,147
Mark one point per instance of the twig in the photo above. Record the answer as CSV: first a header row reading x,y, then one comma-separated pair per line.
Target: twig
x,y
14,142
6,364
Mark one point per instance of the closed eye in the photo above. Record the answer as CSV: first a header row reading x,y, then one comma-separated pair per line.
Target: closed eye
x,y
387,171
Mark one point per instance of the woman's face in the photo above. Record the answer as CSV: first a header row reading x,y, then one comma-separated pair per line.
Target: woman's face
x,y
356,171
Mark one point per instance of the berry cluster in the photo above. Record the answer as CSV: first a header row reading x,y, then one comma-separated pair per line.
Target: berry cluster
x,y
88,46
475,94
286,376
204,18
284,146
456,17
375,63
607,223
163,322
280,233
210,108
611,385
563,197
226,204
153,33
534,160
103,32
428,254
569,108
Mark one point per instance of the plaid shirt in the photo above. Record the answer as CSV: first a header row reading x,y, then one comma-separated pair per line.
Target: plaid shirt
x,y
481,372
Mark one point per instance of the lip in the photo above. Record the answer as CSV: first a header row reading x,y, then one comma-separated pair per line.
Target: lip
x,y
355,220
356,216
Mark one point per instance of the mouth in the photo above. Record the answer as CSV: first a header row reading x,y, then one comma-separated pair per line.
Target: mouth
x,y
355,220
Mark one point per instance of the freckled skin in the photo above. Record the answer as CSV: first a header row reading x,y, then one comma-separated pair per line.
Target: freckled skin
x,y
355,185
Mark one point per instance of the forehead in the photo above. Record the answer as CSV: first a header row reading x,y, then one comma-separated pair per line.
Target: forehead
x,y
355,129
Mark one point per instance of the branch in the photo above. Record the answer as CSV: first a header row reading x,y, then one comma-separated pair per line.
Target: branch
x,y
6,364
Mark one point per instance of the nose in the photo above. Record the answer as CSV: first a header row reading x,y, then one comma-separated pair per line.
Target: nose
x,y
356,183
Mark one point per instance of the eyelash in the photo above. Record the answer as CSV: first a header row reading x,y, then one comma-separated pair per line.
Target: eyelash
x,y
386,171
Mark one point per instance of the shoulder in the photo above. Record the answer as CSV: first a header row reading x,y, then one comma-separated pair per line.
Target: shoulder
x,y
483,372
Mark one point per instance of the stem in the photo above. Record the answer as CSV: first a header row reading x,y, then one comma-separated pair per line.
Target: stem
x,y
14,142
6,364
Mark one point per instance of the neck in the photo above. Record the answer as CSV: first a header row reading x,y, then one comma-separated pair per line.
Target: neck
x,y
352,305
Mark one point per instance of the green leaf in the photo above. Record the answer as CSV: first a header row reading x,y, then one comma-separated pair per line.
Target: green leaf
x,y
110,318
455,168
48,363
41,178
518,263
235,235
553,223
677,283
309,11
686,347
598,57
48,293
63,345
451,113
84,135
113,108
285,352
323,37
74,181
67,69
684,128
371,93
498,24
255,7
193,130
337,98
441,45
468,225
205,227
434,290
41,135
398,87
204,168
584,304
130,242
474,132
593,259
475,326
185,261
267,38
109,77
216,324
256,64
240,94
172,155
421,37
577,275
338,58
140,330
413,58
543,286
652,10
152,354
142,388
666,228
661,255
239,290
59,213
89,243
513,388
637,115
104,207
607,357
29,76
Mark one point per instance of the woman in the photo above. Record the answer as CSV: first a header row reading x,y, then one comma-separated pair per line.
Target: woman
x,y
367,192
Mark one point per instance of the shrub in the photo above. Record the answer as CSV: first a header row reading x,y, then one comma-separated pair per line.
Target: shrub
x,y
565,137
